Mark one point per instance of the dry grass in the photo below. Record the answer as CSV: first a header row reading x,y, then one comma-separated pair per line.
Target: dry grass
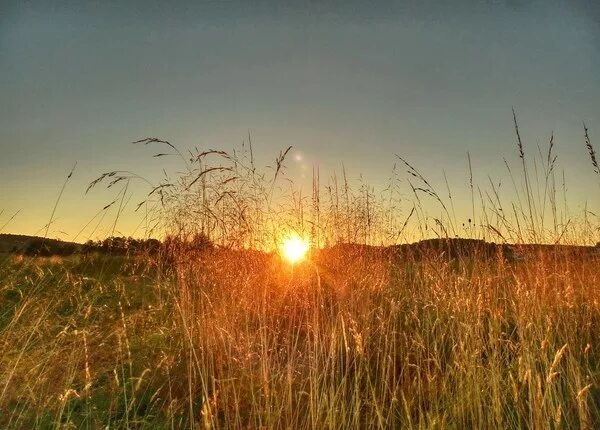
x,y
234,339
354,337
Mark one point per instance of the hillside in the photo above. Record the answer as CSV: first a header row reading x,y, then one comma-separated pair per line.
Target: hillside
x,y
456,248
19,242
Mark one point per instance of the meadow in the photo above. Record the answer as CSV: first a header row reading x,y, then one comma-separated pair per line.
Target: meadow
x,y
217,330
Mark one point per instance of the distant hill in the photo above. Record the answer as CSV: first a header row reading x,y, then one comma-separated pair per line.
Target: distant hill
x,y
456,248
451,248
39,246
20,242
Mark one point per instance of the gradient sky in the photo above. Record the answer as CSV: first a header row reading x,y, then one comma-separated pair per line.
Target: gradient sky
x,y
344,82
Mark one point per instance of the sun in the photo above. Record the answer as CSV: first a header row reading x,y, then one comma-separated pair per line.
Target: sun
x,y
294,249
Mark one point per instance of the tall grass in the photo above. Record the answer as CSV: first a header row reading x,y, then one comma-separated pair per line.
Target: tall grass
x,y
232,336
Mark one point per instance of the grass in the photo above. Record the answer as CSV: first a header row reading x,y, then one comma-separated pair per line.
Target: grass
x,y
242,341
231,336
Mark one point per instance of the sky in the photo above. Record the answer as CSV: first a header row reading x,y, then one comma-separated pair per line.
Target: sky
x,y
349,83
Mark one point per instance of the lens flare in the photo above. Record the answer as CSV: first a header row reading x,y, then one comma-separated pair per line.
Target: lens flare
x,y
294,249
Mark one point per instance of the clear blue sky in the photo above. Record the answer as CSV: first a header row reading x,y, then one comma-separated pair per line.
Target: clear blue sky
x,y
343,82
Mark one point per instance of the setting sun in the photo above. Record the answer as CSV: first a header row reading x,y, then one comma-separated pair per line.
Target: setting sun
x,y
294,249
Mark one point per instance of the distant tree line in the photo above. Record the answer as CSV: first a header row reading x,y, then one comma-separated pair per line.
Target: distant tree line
x,y
111,245
115,245
122,245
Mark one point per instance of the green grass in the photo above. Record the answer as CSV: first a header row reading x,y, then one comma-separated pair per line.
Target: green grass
x,y
62,315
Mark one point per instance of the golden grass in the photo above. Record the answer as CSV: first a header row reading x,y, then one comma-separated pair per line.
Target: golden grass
x,y
241,340
353,337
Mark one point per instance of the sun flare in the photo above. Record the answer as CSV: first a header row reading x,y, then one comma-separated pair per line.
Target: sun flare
x,y
294,249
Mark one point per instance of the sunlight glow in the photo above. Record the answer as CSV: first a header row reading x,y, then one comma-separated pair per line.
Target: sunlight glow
x,y
294,249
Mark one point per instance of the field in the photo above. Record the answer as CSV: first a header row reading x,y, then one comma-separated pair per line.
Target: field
x,y
351,338
215,329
